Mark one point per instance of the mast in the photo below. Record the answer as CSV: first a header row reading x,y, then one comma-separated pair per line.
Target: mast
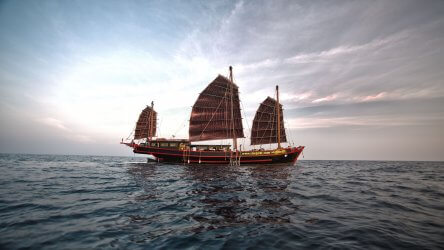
x,y
278,117
232,111
151,122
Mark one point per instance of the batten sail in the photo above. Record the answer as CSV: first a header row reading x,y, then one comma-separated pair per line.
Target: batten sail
x,y
211,117
264,130
147,123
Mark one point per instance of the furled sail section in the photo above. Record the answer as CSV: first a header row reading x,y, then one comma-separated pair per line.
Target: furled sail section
x,y
212,116
146,125
265,123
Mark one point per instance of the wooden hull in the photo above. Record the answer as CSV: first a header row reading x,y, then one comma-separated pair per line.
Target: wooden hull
x,y
285,155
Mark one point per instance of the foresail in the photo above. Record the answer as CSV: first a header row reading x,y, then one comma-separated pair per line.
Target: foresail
x,y
146,125
211,114
264,130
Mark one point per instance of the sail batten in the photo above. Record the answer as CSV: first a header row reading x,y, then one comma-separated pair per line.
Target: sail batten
x,y
264,130
211,117
146,124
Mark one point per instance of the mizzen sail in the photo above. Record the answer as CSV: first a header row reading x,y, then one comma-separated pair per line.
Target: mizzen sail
x,y
265,123
216,113
146,125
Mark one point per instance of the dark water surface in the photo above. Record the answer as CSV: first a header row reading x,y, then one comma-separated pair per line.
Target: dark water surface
x,y
59,202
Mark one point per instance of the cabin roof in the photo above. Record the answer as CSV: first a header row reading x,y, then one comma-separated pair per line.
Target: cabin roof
x,y
210,145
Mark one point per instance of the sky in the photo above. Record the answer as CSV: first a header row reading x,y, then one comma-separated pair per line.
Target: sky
x,y
359,80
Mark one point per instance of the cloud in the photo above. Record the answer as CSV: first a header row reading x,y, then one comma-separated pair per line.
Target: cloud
x,y
360,122
316,55
332,54
379,96
376,113
326,99
66,132
52,122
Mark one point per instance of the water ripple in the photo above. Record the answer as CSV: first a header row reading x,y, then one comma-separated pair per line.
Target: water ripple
x,y
76,202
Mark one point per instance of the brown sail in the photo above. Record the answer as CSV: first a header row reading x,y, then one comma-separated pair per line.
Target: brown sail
x,y
146,125
265,124
212,117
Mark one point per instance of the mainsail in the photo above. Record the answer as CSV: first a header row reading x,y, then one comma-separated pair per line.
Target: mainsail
x,y
212,116
146,125
265,124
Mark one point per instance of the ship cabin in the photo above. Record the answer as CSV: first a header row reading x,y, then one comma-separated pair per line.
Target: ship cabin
x,y
182,144
212,147
167,143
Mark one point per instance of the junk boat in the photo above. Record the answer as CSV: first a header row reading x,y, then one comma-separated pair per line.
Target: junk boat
x,y
216,115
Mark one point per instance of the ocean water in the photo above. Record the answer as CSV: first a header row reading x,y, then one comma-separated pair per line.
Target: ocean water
x,y
72,202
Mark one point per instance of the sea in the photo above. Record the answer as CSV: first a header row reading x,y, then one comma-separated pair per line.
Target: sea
x,y
102,202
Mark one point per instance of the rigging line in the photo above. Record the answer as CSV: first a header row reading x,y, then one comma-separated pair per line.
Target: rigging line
x,y
182,125
218,96
227,129
289,132
237,161
275,117
260,118
245,115
132,132
158,127
220,86
271,122
227,107
257,132
212,116
231,108
246,120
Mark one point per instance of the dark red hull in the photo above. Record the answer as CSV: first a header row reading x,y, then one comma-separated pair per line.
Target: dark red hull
x,y
285,155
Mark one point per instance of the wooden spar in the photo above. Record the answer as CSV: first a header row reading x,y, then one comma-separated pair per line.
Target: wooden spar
x,y
278,117
232,112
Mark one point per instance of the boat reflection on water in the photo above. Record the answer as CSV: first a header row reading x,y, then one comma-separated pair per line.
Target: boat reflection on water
x,y
203,198
272,184
220,195
247,195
